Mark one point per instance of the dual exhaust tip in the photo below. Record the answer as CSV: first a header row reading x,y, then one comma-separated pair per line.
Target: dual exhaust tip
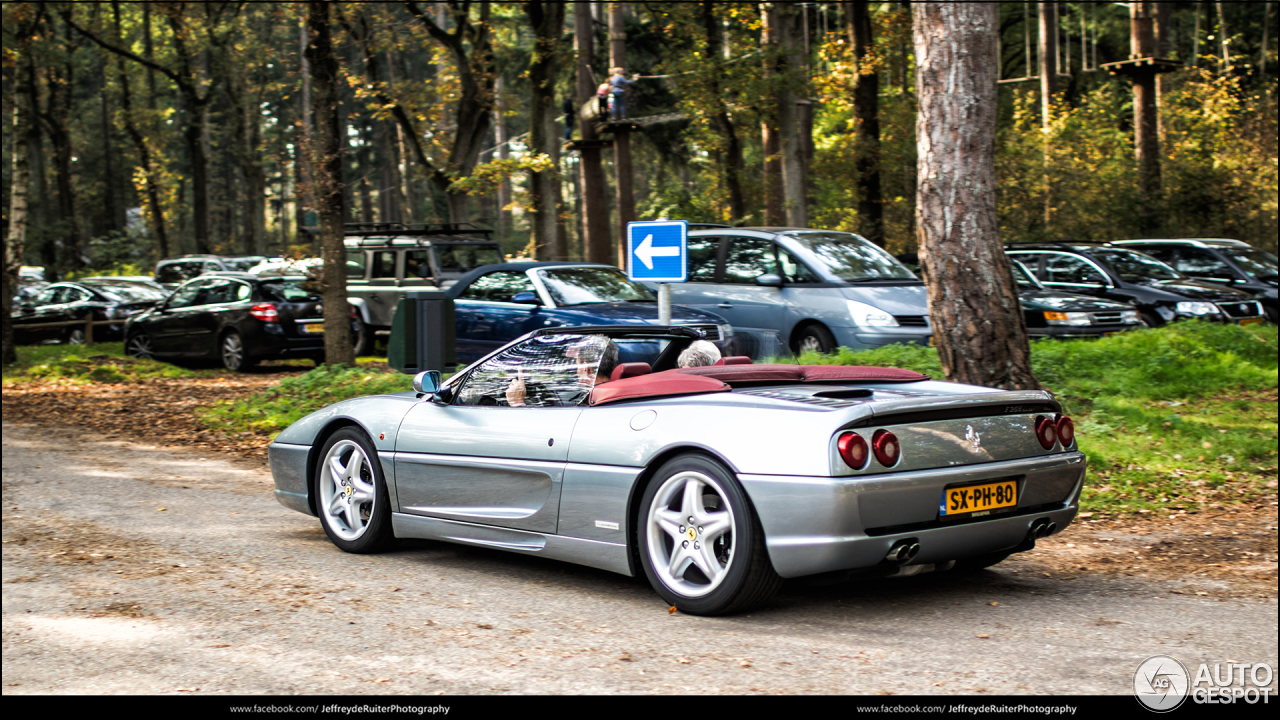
x,y
903,551
1044,527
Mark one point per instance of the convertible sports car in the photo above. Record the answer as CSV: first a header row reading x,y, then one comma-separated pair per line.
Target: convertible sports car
x,y
715,482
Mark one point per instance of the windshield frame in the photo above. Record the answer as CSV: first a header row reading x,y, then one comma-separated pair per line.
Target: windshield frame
x,y
1099,255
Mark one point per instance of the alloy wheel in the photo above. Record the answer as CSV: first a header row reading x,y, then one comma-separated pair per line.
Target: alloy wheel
x,y
690,526
347,490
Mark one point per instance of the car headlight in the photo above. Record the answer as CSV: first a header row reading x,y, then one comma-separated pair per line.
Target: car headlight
x,y
864,314
1074,319
1129,316
1196,308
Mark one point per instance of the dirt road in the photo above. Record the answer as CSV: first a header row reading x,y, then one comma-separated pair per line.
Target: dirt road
x,y
142,569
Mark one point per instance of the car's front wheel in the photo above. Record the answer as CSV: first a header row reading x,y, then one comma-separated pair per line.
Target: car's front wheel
x,y
815,338
139,345
351,494
700,542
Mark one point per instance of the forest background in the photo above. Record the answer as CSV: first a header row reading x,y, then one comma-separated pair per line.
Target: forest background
x,y
168,128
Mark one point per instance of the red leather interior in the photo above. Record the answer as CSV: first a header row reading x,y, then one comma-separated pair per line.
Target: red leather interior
x,y
626,370
662,384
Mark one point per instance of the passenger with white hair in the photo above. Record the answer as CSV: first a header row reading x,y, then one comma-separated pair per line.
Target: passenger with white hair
x,y
700,353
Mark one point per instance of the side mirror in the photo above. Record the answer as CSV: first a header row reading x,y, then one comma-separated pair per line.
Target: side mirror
x,y
527,298
769,280
427,382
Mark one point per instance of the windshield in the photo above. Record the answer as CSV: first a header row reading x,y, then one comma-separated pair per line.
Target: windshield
x,y
851,258
1258,263
242,264
1135,267
579,286
287,291
463,258
130,292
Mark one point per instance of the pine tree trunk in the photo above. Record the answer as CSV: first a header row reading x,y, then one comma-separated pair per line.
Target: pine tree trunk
x,y
15,243
327,174
596,245
973,302
547,238
790,118
866,108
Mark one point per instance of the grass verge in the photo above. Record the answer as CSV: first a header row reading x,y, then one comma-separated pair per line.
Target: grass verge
x,y
1173,420
80,364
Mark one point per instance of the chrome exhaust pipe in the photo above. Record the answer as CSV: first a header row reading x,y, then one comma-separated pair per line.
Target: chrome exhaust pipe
x,y
1043,527
903,551
1050,529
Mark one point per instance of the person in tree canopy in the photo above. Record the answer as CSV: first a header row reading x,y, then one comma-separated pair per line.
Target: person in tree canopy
x,y
619,82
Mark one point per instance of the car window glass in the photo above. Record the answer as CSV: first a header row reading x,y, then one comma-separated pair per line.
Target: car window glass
x,y
1134,266
748,259
45,296
702,259
1258,263
219,292
289,292
384,264
851,258
355,264
213,266
130,292
557,371
1163,253
464,258
579,286
417,264
241,264
178,272
1202,263
794,271
185,296
75,294
499,286
1068,269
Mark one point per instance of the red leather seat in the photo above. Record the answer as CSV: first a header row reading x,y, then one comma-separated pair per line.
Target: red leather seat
x,y
735,360
626,370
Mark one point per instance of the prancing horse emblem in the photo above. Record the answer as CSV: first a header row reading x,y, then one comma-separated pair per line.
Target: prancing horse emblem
x,y
973,438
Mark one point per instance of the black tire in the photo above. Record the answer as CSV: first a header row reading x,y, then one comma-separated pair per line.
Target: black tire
x,y
815,337
742,576
352,501
361,338
233,353
1150,320
75,336
139,345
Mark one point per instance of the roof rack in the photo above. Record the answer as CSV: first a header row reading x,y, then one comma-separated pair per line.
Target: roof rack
x,y
404,229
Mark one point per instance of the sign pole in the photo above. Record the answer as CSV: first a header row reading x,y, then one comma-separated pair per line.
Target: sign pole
x,y
664,304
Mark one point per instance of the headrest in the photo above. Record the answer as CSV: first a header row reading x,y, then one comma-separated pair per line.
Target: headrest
x,y
626,370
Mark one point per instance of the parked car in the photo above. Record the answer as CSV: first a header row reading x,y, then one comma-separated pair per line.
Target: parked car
x,y
236,318
792,289
496,304
1160,293
106,298
386,260
714,482
1216,260
173,271
1057,314
282,266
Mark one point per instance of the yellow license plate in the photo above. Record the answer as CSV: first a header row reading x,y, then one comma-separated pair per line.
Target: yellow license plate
x,y
931,342
1251,321
313,328
978,499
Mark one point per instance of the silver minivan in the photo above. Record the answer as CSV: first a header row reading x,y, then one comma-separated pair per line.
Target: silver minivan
x,y
789,290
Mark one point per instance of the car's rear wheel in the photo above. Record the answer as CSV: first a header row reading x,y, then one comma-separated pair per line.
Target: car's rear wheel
x,y
234,355
815,338
75,336
351,494
361,338
700,542
139,346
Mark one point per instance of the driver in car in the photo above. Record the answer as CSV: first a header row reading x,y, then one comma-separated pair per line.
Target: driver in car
x,y
596,356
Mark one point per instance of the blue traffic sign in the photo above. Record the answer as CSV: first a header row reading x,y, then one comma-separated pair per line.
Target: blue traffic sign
x,y
657,251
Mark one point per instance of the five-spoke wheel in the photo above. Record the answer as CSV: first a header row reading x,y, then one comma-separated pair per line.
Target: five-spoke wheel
x,y
700,543
233,354
351,496
139,346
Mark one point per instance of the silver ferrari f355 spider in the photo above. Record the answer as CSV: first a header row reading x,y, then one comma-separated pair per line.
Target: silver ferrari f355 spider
x,y
715,481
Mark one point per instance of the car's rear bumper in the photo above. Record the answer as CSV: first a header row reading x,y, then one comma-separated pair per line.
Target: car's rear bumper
x,y
822,524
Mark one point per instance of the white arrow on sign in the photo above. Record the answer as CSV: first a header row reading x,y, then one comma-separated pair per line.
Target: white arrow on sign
x,y
647,252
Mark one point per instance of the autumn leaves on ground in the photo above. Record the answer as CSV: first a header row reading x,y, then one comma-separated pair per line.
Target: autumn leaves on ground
x,y
1179,425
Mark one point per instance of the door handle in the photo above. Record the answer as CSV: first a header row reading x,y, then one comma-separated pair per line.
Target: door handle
x,y
725,306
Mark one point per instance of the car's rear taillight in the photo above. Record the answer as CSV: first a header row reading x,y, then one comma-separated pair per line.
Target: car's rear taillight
x,y
1066,430
1046,432
266,312
853,450
885,445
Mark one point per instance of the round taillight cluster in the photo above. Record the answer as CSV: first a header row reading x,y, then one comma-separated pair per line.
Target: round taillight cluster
x,y
853,450
1046,432
1066,431
886,448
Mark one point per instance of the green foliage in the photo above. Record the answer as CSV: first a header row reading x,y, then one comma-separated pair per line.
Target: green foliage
x,y
81,364
293,398
1172,419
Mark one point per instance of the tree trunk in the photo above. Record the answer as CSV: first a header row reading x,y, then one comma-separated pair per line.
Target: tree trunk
x,y
795,174
151,185
547,237
1048,89
1146,136
326,148
15,242
973,302
769,133
728,157
596,244
504,153
866,110
623,174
